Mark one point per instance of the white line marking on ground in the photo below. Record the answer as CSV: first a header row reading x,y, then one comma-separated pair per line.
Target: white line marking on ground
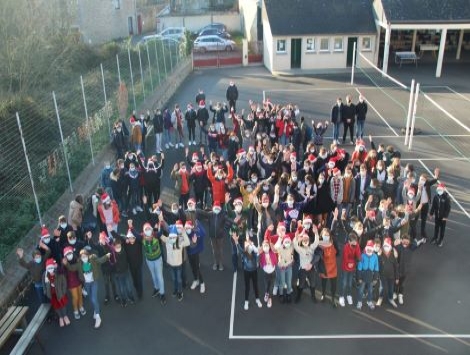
x,y
458,93
451,196
339,89
377,112
232,308
352,336
446,112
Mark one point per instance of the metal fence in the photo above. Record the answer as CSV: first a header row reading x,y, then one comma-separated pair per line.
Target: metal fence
x,y
46,143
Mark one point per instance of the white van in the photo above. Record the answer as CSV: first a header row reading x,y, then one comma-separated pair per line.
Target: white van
x,y
172,32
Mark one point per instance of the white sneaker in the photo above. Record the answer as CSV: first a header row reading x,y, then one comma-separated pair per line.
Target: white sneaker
x,y
189,143
76,315
379,302
359,305
194,142
94,315
400,298
392,302
270,302
341,301
82,311
194,284
181,145
139,209
84,293
171,144
167,146
350,300
371,305
97,321
258,302
134,212
245,306
214,267
266,297
202,288
394,296
275,289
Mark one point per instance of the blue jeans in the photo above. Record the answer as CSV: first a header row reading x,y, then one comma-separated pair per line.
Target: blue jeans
x,y
156,271
336,131
123,282
167,136
360,128
177,278
346,283
285,278
390,284
39,290
92,289
360,291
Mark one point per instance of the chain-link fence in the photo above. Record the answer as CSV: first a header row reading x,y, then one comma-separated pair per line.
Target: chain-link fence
x,y
48,139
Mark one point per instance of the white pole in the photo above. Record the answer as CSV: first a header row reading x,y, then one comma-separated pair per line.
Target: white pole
x,y
353,63
171,59
459,45
164,59
87,120
105,99
119,69
156,58
132,76
442,48
29,169
141,74
413,120
386,48
413,42
62,140
150,65
410,110
264,95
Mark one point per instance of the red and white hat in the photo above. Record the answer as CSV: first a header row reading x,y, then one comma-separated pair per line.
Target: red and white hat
x,y
202,103
195,156
198,164
441,185
293,155
191,201
147,226
411,190
238,201
336,171
51,263
360,143
281,225
241,151
369,246
132,120
44,232
307,219
331,164
68,250
105,198
179,224
216,204
311,157
388,241
188,224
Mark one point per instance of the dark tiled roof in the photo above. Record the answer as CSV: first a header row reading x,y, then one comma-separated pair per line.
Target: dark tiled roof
x,y
436,11
313,17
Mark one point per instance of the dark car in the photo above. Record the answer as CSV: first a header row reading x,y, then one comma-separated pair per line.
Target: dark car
x,y
218,26
214,32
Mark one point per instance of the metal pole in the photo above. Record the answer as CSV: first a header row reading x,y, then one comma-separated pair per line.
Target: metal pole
x,y
105,99
62,140
156,58
132,76
150,66
410,110
414,117
141,73
164,59
353,63
87,120
171,60
29,169
119,69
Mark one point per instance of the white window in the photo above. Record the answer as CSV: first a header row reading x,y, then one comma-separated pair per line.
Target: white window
x,y
366,44
281,46
117,4
310,45
338,44
324,45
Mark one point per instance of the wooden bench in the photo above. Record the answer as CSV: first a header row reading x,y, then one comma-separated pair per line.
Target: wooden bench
x,y
32,330
14,317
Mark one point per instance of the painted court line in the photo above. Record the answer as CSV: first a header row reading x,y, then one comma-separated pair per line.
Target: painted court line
x,y
458,94
232,308
352,336
377,112
451,196
445,111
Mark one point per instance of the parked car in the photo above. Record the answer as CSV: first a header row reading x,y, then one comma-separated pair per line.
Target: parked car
x,y
213,43
169,32
214,32
218,26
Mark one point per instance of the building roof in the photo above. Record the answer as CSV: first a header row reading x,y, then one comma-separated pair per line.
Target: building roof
x,y
425,11
317,17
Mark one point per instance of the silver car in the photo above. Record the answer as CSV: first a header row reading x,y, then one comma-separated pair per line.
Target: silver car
x,y
213,43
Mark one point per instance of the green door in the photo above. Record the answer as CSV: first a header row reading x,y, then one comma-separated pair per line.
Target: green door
x,y
295,53
349,58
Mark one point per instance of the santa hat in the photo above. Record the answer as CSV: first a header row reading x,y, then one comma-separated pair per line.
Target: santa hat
x,y
132,120
388,241
44,232
189,224
51,263
68,250
147,226
265,198
286,239
412,190
331,164
369,246
371,213
241,151
105,198
238,201
307,219
441,185
282,225
311,157
293,155
103,236
130,234
216,204
179,224
191,201
202,104
360,143
251,148
172,231
195,156
336,171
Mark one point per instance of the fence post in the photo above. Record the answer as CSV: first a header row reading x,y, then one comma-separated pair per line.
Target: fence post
x,y
132,76
141,73
353,63
410,109
156,58
171,59
105,99
38,210
150,66
164,59
413,120
87,120
119,68
62,140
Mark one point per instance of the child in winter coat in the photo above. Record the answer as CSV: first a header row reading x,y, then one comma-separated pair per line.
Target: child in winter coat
x,y
268,262
74,284
122,276
388,266
285,255
367,274
351,255
330,272
196,247
319,130
55,289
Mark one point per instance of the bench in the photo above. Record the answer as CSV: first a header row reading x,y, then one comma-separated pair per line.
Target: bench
x,y
14,317
32,330
406,57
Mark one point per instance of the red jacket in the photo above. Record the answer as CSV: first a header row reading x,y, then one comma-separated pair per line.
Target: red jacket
x,y
350,257
218,186
115,208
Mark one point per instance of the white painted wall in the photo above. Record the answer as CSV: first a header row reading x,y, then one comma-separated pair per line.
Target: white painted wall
x,y
248,12
196,22
268,43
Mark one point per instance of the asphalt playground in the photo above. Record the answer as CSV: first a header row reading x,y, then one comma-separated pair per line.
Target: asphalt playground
x,y
436,313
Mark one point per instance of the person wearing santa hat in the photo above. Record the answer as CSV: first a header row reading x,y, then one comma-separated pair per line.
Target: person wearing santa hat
x,y
351,255
109,213
132,244
266,210
55,289
232,95
440,210
323,204
367,275
329,273
219,181
190,116
285,255
388,266
74,284
182,182
268,262
202,118
240,217
359,155
195,248
174,258
200,182
405,251
319,131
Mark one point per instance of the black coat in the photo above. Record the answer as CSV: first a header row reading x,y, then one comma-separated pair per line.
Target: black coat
x,y
232,93
440,206
337,113
349,112
158,123
361,111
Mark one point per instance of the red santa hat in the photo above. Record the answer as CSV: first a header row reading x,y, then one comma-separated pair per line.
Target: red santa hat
x,y
191,201
311,157
216,204
360,143
202,103
51,263
238,201
44,232
441,185
331,164
281,225
188,224
307,219
105,198
369,246
198,164
195,156
388,241
336,171
371,213
293,155
179,224
68,250
241,151
132,120
411,190
147,226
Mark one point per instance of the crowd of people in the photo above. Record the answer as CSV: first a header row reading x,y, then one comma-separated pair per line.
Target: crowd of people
x,y
295,212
